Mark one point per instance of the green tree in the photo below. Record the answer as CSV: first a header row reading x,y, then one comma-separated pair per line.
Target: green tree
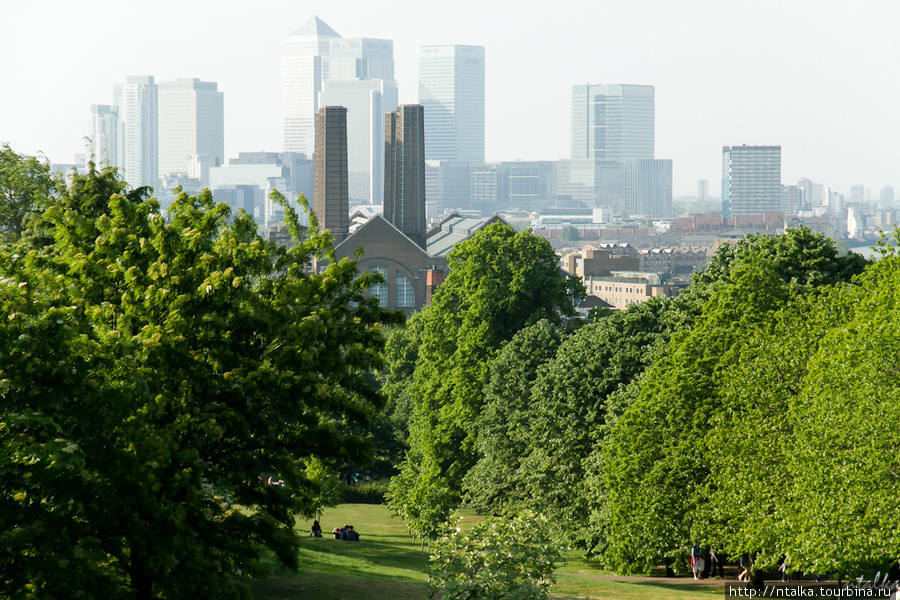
x,y
25,184
509,558
846,422
573,400
504,426
500,281
656,460
153,370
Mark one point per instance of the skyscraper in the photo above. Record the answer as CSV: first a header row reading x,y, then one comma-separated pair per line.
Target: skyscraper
x,y
451,88
360,58
648,187
191,123
612,122
138,150
361,78
331,198
751,180
304,70
404,171
104,133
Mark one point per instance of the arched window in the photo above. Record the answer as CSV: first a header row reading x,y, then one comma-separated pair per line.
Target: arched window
x,y
406,295
380,290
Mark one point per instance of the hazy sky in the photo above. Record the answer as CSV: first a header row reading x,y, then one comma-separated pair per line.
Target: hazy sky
x,y
818,77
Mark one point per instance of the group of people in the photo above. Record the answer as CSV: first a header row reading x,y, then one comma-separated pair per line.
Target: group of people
x,y
701,569
340,533
353,478
699,566
346,533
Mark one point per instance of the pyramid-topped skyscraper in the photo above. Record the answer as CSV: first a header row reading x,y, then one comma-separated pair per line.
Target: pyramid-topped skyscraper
x,y
304,69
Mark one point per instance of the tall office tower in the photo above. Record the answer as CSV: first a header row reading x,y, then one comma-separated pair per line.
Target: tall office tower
x,y
331,197
404,170
703,190
857,193
451,88
791,199
648,187
887,195
361,78
360,58
304,70
813,194
104,132
191,123
612,122
138,143
751,180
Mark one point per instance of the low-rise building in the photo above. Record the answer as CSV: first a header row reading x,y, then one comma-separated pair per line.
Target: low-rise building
x,y
623,288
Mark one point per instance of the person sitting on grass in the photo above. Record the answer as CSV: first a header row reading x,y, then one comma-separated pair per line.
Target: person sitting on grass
x,y
352,536
316,529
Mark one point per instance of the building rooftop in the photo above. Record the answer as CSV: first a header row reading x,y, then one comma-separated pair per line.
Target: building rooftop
x,y
454,228
315,26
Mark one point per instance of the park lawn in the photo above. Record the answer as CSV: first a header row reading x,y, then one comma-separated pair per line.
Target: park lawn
x,y
387,565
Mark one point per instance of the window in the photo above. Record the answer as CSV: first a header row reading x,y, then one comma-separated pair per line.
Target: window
x,y
406,295
379,290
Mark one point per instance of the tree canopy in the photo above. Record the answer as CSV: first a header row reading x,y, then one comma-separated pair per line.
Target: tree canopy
x,y
657,462
500,282
25,183
165,382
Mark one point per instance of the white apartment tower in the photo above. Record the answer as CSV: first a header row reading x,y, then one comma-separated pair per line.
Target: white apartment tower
x,y
612,122
751,180
361,78
451,90
136,104
304,70
191,125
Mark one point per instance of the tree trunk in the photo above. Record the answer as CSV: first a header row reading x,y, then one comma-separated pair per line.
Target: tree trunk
x,y
141,582
757,580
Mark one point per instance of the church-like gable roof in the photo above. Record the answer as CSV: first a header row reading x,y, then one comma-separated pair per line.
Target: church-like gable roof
x,y
377,229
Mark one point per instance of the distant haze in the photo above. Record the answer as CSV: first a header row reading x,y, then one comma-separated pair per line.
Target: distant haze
x,y
817,77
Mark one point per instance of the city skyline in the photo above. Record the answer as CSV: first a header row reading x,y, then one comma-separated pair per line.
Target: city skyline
x,y
812,77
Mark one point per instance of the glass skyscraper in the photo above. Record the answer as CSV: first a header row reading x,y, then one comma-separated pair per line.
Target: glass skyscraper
x,y
361,78
451,90
191,123
138,136
612,122
104,128
304,70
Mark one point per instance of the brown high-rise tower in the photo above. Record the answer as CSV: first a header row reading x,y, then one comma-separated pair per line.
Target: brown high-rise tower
x,y
404,171
331,198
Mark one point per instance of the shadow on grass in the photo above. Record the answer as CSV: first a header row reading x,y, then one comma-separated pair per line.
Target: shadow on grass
x,y
311,586
374,558
663,588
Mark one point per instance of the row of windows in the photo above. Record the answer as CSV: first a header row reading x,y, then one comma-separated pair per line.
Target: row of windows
x,y
406,295
609,288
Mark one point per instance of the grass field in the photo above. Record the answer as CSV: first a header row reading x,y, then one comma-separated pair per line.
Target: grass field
x,y
387,565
